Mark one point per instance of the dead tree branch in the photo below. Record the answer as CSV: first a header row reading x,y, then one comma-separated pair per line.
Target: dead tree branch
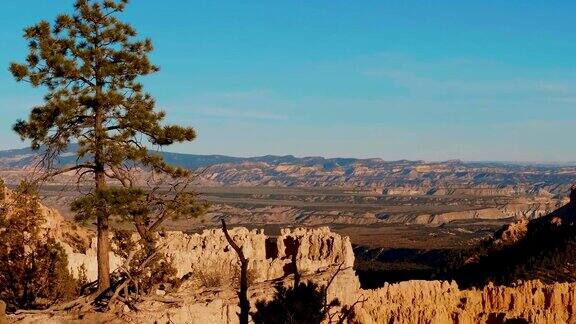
x,y
243,293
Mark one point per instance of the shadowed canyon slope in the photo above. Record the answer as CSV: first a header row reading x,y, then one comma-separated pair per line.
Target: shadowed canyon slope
x,y
542,248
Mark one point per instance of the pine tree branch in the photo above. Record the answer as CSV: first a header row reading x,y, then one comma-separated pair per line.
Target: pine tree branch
x,y
61,171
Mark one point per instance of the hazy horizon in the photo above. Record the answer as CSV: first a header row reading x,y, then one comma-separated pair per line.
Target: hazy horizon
x,y
535,163
476,81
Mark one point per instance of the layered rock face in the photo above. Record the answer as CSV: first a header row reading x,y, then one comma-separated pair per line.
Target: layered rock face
x,y
256,211
517,210
269,257
442,302
394,177
375,175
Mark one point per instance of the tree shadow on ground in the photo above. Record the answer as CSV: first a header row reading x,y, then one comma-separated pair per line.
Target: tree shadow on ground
x,y
301,304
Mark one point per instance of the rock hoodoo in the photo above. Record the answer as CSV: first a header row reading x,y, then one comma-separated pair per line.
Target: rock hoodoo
x,y
442,302
269,257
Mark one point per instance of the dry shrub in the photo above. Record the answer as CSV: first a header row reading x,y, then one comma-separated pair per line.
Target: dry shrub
x,y
34,267
303,303
210,277
236,276
159,273
220,275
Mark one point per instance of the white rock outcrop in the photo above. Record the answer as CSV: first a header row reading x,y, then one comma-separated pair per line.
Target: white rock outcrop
x,y
269,257
442,302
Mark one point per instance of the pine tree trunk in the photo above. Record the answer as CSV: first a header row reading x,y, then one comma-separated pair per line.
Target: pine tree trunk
x,y
103,254
103,248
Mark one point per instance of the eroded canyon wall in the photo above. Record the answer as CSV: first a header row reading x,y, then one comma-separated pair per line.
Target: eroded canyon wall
x,y
269,256
443,302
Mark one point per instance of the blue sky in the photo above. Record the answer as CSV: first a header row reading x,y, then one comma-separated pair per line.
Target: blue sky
x,y
432,80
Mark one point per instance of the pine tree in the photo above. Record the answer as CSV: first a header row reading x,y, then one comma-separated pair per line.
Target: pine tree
x,y
90,63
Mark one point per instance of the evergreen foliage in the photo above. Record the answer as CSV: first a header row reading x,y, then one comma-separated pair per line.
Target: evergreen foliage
x,y
91,63
145,209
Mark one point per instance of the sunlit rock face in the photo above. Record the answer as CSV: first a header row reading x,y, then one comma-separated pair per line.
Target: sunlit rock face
x,y
270,258
442,302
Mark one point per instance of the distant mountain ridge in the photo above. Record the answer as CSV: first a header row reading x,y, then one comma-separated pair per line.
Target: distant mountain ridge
x,y
375,175
21,158
203,160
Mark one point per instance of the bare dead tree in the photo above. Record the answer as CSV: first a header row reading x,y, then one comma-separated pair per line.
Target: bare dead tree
x,y
171,199
346,311
292,248
326,305
243,292
121,288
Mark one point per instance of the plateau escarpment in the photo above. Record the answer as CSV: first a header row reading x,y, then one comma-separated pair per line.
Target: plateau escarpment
x,y
375,176
310,191
380,211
